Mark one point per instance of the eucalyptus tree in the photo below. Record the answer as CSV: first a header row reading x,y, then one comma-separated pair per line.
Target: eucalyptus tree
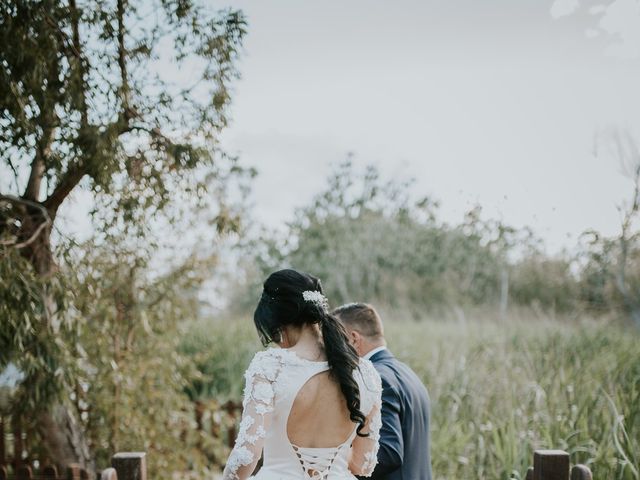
x,y
121,99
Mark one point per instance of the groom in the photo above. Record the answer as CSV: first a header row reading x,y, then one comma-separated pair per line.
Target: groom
x,y
404,438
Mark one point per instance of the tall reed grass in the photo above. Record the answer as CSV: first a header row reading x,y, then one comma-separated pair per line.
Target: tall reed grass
x,y
499,390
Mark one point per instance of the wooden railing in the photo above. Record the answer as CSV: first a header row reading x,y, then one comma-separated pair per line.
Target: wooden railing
x,y
220,420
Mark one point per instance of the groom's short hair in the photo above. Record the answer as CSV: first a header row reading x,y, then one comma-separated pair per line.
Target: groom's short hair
x,y
362,318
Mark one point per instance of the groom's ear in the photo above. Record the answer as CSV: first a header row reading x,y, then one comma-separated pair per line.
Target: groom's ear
x,y
355,339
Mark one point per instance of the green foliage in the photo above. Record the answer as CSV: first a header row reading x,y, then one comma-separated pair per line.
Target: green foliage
x,y
217,359
132,379
611,273
544,282
35,324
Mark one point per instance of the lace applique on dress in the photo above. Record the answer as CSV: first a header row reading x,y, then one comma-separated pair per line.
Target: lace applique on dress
x,y
371,403
258,405
371,457
371,385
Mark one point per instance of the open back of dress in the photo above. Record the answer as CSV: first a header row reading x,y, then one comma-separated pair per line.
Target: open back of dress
x,y
318,426
281,389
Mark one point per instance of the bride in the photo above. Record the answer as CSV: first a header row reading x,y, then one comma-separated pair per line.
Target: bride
x,y
312,406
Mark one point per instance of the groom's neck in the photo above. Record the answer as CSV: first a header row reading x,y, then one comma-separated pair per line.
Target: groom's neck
x,y
369,346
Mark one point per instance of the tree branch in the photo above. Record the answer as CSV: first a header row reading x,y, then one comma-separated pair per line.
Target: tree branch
x,y
45,214
77,49
122,58
154,132
47,121
65,39
15,174
79,169
32,192
64,188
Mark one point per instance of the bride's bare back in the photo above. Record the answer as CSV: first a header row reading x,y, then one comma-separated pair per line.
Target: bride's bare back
x,y
319,417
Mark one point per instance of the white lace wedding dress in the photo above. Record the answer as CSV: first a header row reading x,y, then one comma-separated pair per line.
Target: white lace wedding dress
x,y
273,381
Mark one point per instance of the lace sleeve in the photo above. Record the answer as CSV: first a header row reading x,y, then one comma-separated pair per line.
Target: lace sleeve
x,y
364,452
258,406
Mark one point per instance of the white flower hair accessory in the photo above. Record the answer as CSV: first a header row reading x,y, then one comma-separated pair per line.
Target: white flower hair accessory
x,y
317,298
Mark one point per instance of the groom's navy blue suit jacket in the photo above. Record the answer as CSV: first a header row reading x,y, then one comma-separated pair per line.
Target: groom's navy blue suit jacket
x,y
405,450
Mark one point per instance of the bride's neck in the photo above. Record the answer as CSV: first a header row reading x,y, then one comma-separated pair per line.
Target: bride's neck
x,y
306,337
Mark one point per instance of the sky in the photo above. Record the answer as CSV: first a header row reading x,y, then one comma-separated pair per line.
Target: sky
x,y
496,103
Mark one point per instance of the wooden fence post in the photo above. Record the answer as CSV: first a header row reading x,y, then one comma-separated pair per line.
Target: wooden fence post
x,y
3,453
24,473
109,474
17,442
550,465
73,471
581,472
130,465
50,472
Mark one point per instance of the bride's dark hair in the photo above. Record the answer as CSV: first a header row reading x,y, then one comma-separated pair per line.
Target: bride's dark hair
x,y
282,303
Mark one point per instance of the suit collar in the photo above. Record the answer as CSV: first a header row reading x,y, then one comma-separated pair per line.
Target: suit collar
x,y
372,352
381,355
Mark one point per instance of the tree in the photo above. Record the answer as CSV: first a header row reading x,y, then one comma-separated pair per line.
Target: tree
x,y
89,100
369,240
618,259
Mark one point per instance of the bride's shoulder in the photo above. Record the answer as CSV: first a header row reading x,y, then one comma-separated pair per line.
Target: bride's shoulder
x,y
266,364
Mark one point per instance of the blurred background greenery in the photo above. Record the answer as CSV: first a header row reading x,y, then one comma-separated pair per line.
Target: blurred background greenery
x,y
135,337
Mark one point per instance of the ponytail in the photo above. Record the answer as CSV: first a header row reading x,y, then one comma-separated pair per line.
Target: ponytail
x,y
343,360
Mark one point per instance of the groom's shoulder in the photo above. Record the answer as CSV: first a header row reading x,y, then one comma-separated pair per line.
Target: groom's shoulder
x,y
384,359
386,366
394,371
